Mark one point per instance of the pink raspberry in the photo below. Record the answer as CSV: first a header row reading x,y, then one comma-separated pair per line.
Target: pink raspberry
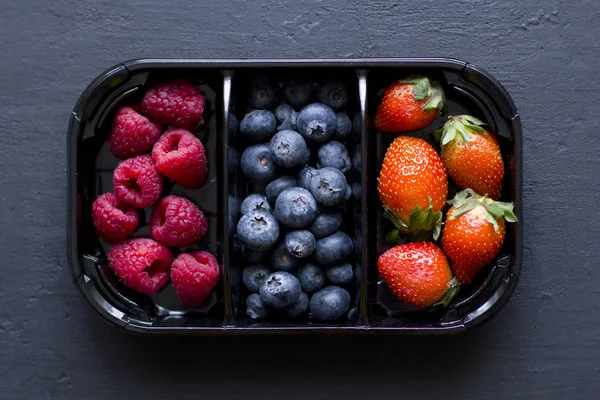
x,y
132,133
194,276
179,155
178,103
141,264
177,222
114,220
136,181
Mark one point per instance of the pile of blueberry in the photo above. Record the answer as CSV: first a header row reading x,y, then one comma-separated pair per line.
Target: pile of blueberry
x,y
297,257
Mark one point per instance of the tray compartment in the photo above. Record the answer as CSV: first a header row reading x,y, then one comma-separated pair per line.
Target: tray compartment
x,y
466,93
239,188
94,165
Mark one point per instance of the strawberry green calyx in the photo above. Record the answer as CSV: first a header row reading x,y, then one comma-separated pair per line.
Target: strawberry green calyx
x,y
467,200
459,126
453,288
425,89
420,222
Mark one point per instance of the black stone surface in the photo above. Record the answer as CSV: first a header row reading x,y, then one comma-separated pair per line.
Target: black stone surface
x,y
544,345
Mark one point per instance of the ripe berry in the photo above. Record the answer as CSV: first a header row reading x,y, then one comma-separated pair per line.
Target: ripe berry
x,y
132,133
194,276
114,220
136,181
177,222
178,103
141,264
179,155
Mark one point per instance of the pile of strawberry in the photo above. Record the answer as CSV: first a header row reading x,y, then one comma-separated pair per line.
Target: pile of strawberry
x,y
413,187
150,155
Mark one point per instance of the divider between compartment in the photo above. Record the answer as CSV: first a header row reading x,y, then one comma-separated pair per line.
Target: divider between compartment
x,y
363,317
224,194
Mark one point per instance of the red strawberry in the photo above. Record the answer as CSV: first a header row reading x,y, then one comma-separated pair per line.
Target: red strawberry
x,y
418,273
408,105
472,155
413,185
474,232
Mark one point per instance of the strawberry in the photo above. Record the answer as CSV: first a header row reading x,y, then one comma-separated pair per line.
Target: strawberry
x,y
418,273
413,185
472,155
408,105
474,232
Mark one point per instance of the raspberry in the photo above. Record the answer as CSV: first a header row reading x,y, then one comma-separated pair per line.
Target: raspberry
x,y
132,133
179,155
178,103
194,276
114,220
141,264
136,181
177,222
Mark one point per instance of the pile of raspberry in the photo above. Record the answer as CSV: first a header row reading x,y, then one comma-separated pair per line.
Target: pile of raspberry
x,y
150,154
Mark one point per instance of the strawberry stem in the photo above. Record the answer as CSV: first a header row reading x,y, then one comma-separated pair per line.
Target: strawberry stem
x,y
461,126
419,222
466,200
453,289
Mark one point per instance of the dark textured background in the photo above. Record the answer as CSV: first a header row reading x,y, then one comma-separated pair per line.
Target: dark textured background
x,y
544,345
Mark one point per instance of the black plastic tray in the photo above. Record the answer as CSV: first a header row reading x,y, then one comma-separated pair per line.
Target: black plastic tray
x,y
467,88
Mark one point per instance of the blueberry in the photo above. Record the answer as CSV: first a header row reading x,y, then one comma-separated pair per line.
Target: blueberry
x,y
258,230
255,307
298,308
283,112
277,186
311,278
356,125
257,163
253,276
286,116
234,211
233,125
305,176
255,202
333,249
348,192
288,148
326,223
357,158
316,122
353,314
264,93
343,126
330,303
258,125
280,289
286,126
282,260
334,94
298,92
300,244
289,124
238,247
329,186
234,277
254,256
340,274
233,162
356,191
295,207
335,155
